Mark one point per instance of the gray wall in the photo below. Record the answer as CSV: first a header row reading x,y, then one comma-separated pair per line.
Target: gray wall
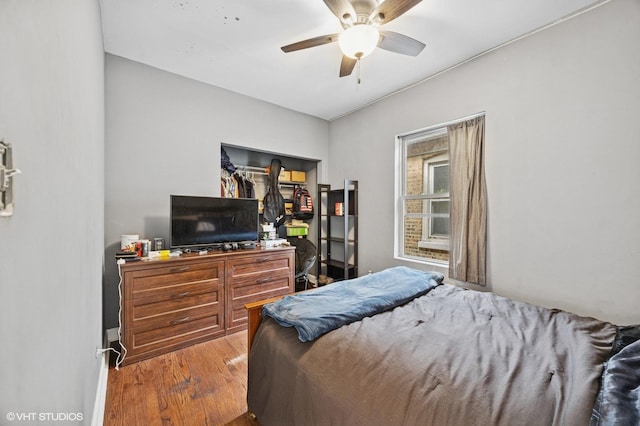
x,y
163,137
52,110
562,153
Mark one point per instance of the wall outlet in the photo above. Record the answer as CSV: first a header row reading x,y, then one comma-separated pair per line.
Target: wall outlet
x,y
112,335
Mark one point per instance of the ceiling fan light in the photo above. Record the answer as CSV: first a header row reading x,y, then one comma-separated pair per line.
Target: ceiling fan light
x,y
358,41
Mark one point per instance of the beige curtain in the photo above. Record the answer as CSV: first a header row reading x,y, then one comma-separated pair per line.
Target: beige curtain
x,y
467,260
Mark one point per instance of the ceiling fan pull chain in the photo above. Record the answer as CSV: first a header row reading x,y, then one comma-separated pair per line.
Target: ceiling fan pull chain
x,y
358,85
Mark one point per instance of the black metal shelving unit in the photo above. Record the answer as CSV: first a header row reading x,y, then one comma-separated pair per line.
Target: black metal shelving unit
x,y
338,231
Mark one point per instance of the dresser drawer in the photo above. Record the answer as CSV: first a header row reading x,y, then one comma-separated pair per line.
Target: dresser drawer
x,y
252,265
240,295
165,314
161,340
175,282
254,278
257,277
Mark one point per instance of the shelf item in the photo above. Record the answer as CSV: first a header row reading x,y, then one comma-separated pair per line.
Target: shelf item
x,y
298,176
338,231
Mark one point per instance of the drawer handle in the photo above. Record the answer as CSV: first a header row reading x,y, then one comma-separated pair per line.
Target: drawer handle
x,y
180,321
264,259
263,280
183,294
183,269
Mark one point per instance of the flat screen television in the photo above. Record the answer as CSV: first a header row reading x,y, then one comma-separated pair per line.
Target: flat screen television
x,y
200,222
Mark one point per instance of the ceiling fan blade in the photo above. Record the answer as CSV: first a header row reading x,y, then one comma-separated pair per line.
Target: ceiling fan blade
x,y
343,10
347,65
389,10
312,42
400,43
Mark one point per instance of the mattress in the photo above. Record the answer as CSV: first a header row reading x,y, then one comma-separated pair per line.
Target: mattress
x,y
449,357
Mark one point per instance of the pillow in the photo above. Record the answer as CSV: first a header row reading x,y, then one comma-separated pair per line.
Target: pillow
x,y
618,402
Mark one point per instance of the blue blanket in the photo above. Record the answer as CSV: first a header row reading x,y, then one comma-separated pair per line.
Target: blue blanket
x,y
328,308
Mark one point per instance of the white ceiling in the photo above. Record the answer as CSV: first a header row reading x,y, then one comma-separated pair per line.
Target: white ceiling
x,y
235,44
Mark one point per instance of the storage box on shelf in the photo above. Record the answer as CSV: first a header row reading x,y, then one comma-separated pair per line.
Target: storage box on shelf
x,y
298,176
285,175
294,231
292,176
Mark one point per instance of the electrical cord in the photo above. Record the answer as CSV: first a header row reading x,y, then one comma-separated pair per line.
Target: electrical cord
x,y
123,354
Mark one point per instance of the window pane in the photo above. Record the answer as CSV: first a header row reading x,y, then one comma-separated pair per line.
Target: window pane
x,y
440,225
416,152
440,178
413,166
412,226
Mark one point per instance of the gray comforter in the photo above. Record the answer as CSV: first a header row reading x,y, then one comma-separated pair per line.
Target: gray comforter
x,y
450,357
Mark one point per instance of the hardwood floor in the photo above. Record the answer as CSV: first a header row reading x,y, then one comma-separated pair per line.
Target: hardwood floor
x,y
204,384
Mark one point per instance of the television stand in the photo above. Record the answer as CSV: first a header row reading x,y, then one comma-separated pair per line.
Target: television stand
x,y
171,303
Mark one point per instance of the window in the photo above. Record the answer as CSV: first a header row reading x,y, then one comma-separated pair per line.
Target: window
x,y
422,220
435,227
441,201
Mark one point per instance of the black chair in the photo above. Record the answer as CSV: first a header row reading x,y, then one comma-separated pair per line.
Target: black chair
x,y
305,259
303,276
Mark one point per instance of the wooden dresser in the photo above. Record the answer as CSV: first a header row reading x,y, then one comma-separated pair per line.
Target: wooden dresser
x,y
171,303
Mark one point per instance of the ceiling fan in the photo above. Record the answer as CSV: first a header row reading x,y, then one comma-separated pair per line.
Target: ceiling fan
x,y
361,20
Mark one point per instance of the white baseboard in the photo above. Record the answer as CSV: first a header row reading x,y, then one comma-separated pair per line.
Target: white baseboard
x,y
101,392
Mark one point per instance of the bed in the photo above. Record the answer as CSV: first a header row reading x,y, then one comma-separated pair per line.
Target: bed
x,y
400,347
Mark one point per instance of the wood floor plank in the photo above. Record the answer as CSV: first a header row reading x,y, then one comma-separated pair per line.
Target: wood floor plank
x,y
204,384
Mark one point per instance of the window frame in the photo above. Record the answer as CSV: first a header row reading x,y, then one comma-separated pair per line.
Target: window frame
x,y
402,197
429,240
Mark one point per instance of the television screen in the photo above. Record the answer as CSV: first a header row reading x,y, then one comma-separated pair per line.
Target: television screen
x,y
209,221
